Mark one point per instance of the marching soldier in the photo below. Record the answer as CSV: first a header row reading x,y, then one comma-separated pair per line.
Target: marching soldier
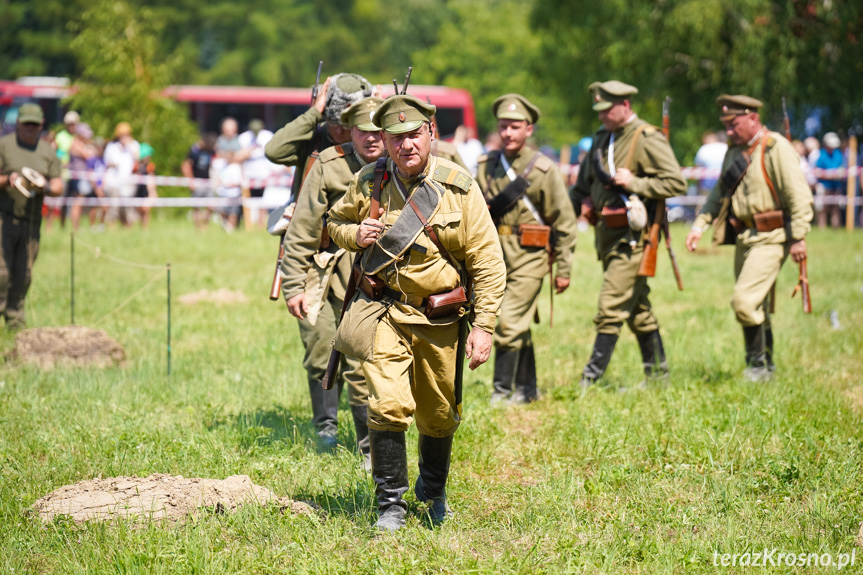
x,y
629,161
763,205
529,204
315,271
29,169
430,235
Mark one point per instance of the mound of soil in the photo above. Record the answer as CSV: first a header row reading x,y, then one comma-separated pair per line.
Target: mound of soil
x,y
220,296
157,497
71,345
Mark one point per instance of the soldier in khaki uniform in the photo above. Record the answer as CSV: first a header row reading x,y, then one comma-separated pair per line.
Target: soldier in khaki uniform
x,y
319,127
763,205
22,154
315,271
408,358
629,161
502,176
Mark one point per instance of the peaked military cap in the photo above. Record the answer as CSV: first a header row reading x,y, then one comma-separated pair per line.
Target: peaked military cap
x,y
732,106
30,113
515,107
361,114
606,94
402,113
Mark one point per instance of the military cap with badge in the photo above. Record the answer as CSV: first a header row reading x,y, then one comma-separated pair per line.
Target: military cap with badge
x,y
403,113
515,107
361,114
738,105
607,94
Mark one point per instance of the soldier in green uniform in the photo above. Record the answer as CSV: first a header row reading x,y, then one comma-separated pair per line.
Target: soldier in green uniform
x,y
315,271
629,161
21,212
431,230
319,127
524,189
763,205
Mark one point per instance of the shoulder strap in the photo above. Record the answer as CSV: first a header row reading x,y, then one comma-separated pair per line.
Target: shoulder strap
x,y
380,176
638,131
764,171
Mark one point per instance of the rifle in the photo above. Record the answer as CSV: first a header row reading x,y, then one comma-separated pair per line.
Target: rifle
x,y
771,305
803,286
463,331
659,225
317,85
350,290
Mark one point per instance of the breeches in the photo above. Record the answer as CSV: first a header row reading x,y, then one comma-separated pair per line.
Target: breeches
x,y
317,340
516,312
20,248
413,374
623,295
755,269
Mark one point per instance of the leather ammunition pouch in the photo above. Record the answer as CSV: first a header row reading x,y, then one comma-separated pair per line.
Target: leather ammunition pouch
x,y
435,306
769,221
372,286
533,235
614,217
446,304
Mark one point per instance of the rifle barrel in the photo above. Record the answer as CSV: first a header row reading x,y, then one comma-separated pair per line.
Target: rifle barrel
x,y
407,80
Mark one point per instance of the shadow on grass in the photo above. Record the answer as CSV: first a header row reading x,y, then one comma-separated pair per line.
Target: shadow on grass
x,y
263,427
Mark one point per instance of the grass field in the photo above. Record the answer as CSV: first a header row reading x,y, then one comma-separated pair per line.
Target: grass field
x,y
656,481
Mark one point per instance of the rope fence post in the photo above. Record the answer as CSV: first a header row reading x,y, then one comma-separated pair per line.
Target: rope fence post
x,y
168,266
851,189
72,274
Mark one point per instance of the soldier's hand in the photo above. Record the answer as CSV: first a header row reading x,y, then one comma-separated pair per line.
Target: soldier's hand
x,y
478,347
560,284
798,251
298,307
588,213
692,239
370,230
321,100
622,178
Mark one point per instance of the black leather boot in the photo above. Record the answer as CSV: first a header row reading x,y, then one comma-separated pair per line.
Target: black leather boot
x,y
603,347
325,412
430,486
525,377
653,357
757,365
768,340
361,425
505,363
390,472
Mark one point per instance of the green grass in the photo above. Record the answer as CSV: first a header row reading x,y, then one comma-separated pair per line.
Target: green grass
x,y
643,482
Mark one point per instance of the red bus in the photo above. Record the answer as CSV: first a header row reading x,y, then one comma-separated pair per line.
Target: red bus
x,y
209,104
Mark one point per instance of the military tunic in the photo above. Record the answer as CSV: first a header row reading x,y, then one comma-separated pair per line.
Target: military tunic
x,y
526,266
412,368
447,151
295,141
20,221
656,175
322,274
759,255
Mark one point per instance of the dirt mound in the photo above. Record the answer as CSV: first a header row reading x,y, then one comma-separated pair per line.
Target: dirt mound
x,y
72,345
157,497
221,296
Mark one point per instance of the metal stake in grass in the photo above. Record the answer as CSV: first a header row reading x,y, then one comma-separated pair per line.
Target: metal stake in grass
x,y
168,265
72,273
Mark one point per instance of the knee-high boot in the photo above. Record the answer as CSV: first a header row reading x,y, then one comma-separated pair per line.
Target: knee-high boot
x,y
360,414
603,347
325,412
390,473
525,377
757,365
653,357
505,363
434,458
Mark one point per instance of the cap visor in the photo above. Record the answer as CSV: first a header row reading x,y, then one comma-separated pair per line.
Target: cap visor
x,y
368,127
600,106
30,119
512,116
404,127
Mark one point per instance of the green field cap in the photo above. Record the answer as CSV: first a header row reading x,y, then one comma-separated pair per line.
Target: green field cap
x,y
361,114
30,113
732,106
402,113
515,107
606,94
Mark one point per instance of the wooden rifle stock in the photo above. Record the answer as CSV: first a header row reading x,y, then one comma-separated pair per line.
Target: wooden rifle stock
x,y
276,287
803,286
647,267
667,234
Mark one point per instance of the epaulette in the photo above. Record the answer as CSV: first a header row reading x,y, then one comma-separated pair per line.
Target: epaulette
x,y
483,158
543,163
770,141
366,179
650,129
338,151
447,172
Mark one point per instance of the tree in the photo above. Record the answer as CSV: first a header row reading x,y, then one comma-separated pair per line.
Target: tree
x,y
124,77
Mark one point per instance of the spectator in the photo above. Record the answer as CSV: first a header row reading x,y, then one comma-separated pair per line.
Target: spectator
x,y
63,138
227,170
121,155
145,167
805,166
257,169
813,148
830,158
710,156
469,148
81,151
197,165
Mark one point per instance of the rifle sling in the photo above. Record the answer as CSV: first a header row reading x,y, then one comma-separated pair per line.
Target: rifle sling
x,y
503,202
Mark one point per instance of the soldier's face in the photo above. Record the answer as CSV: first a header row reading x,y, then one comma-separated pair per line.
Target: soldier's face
x,y
410,151
338,133
369,145
742,128
616,116
28,132
513,134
